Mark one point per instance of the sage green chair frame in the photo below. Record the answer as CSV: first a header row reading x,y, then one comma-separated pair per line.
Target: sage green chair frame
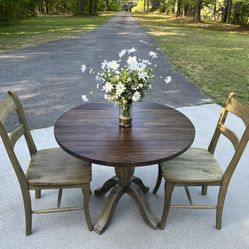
x,y
178,177
8,106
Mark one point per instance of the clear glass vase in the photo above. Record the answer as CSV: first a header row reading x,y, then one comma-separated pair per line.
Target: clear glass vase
x,y
125,114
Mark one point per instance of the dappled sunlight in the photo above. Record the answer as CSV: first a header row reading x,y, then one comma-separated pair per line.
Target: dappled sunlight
x,y
41,29
233,49
172,21
12,56
164,33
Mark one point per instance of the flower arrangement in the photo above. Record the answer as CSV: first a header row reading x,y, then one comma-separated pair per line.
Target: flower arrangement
x,y
125,80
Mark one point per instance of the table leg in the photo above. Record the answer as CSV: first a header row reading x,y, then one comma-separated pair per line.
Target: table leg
x,y
109,208
135,192
140,184
106,187
126,183
114,180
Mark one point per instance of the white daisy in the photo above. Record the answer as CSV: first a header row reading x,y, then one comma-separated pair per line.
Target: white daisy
x,y
146,62
122,53
107,87
104,64
132,50
98,78
113,65
142,75
168,79
141,66
83,68
120,89
85,99
132,63
136,96
152,54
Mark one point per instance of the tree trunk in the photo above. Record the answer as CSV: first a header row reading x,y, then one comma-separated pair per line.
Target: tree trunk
x,y
46,10
177,8
227,11
230,3
95,7
215,9
185,8
107,4
81,5
144,5
197,11
90,11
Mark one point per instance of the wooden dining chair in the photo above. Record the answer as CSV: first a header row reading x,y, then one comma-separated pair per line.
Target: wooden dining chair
x,y
48,169
198,167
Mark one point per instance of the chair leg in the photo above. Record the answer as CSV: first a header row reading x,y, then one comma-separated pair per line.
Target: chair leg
x,y
59,198
220,205
86,192
37,193
168,189
188,195
204,189
28,211
159,179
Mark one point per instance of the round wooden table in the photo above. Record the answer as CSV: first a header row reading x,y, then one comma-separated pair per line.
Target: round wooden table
x,y
91,132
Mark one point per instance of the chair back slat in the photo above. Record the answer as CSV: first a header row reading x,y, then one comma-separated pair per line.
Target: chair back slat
x,y
239,109
16,134
7,107
230,135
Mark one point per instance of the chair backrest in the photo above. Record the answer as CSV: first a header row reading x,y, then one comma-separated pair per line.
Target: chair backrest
x,y
241,110
8,106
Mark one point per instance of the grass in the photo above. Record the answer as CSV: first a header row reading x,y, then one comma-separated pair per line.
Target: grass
x,y
36,30
215,56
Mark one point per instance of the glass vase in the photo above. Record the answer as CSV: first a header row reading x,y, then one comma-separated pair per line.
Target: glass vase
x,y
125,114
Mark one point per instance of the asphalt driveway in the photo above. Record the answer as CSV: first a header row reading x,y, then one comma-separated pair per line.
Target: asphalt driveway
x,y
49,81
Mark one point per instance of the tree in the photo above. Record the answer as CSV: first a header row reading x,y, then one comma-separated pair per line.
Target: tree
x,y
227,11
177,8
197,11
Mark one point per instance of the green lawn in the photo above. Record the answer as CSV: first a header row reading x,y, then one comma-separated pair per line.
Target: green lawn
x,y
213,55
40,29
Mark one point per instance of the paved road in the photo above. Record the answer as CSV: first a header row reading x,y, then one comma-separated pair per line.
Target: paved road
x,y
49,81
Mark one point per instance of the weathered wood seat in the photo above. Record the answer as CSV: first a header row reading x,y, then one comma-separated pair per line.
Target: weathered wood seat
x,y
54,167
48,169
194,165
198,167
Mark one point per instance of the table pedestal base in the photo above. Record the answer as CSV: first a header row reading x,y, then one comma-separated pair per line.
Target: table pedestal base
x,y
124,182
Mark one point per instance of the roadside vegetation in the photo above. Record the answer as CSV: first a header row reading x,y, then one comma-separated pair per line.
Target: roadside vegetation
x,y
214,55
36,30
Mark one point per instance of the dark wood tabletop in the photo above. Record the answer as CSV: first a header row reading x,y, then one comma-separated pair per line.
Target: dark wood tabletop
x,y
91,132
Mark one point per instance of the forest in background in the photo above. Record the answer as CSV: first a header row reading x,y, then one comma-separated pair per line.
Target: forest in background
x,y
226,11
12,10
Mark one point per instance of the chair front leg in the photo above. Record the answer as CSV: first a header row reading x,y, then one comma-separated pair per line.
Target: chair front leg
x,y
168,189
159,179
86,192
28,210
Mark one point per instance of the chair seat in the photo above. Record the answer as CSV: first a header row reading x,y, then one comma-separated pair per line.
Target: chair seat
x,y
195,165
54,167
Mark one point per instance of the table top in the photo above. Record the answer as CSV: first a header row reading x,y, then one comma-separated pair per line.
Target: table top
x,y
91,132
